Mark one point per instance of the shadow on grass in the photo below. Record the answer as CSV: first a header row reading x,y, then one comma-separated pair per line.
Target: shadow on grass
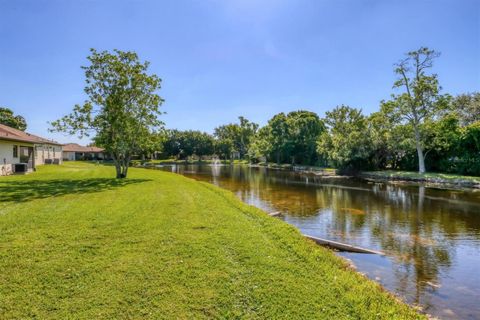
x,y
27,190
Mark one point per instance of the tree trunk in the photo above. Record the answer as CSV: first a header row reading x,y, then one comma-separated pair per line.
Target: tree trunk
x,y
119,171
121,166
118,167
126,163
421,158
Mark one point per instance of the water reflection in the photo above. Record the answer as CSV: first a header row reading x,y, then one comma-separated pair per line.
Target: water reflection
x,y
431,236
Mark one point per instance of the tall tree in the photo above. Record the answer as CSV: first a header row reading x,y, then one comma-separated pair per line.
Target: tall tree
x,y
468,107
197,143
470,147
204,144
345,143
289,138
390,139
122,108
261,145
304,127
280,141
442,135
182,144
172,144
223,148
8,118
239,134
419,100
152,145
247,132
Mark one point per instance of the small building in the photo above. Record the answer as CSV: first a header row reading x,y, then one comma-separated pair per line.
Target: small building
x,y
48,152
21,152
74,151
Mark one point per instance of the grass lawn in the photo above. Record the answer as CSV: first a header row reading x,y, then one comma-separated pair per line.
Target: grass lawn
x,y
77,244
428,177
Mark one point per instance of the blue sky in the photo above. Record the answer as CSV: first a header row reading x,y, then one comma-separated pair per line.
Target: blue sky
x,y
220,59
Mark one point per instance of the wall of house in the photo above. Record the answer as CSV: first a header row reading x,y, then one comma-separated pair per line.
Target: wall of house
x,y
6,156
67,155
47,151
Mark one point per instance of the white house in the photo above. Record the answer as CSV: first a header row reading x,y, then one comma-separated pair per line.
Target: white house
x,y
48,152
22,152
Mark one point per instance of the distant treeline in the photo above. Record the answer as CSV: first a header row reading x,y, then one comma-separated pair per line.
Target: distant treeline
x,y
345,139
417,129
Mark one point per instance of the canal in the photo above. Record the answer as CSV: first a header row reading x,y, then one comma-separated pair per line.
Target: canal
x,y
431,237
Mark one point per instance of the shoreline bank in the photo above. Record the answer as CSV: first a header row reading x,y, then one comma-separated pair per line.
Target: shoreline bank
x,y
436,180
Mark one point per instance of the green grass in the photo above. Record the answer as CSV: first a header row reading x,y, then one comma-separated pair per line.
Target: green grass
x,y
241,161
76,244
429,176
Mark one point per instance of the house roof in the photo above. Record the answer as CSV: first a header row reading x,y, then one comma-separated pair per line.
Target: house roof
x,y
75,147
12,134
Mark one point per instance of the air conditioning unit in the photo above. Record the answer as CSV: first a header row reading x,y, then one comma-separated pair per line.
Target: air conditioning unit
x,y
21,168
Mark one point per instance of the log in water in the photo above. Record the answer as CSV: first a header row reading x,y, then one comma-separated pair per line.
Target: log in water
x,y
334,244
274,214
342,246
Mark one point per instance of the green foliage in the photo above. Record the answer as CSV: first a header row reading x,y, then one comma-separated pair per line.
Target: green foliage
x,y
389,141
441,135
9,119
240,135
449,146
122,108
279,138
261,147
420,100
467,160
81,245
152,145
183,144
468,107
223,148
304,128
171,144
345,143
418,128
289,138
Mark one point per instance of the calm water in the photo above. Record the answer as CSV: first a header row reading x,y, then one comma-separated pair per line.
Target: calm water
x,y
431,237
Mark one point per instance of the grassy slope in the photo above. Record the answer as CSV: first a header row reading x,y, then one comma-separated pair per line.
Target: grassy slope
x,y
75,243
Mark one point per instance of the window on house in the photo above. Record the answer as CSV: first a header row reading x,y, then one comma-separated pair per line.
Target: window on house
x,y
15,151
